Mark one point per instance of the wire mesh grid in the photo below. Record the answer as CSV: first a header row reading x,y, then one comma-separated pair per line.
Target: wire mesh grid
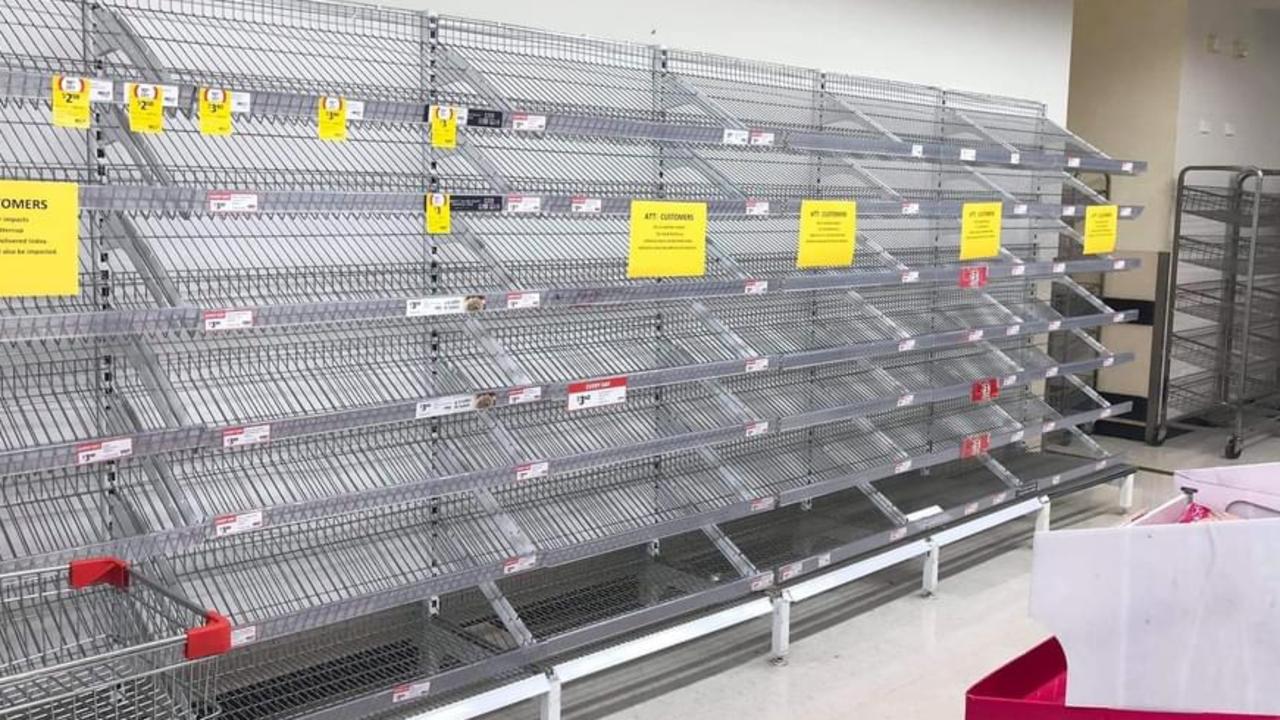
x,y
97,652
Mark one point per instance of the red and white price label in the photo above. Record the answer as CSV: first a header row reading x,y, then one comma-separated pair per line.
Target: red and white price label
x,y
984,390
907,345
524,300
1009,381
519,564
243,635
760,138
1020,209
1012,330
824,560
228,525
897,534
906,400
757,208
756,365
234,437
517,396
585,205
755,287
734,136
1051,371
1018,270
754,429
222,201
971,508
975,335
1126,167
1073,162
975,445
528,122
523,204
410,691
973,276
103,450
910,276
762,582
786,572
911,208
763,504
1055,325
447,405
532,471
215,320
999,498
902,467
968,154
438,305
917,151
597,393
1059,268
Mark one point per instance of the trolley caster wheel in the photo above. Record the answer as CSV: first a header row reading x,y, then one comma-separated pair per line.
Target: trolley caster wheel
x,y
1234,449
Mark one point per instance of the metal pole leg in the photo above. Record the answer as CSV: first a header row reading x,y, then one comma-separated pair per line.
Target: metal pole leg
x,y
550,707
1126,492
1042,517
781,645
931,569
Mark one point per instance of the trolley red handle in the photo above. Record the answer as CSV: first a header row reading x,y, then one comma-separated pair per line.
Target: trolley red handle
x,y
99,571
212,638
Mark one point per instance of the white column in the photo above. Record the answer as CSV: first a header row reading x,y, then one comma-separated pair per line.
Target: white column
x,y
1042,517
931,569
1126,492
781,644
550,705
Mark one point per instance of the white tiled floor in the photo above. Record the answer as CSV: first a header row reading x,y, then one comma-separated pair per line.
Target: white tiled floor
x,y
875,650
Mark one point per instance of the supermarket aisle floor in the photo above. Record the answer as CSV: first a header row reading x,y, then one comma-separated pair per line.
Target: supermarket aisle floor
x,y
876,650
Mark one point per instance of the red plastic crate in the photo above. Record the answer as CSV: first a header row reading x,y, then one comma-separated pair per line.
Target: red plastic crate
x,y
1034,687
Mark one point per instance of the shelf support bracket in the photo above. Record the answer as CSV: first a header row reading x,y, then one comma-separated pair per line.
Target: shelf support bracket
x,y
730,550
507,614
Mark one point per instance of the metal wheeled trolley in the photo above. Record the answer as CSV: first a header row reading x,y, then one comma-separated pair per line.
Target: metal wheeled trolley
x,y
99,640
1217,322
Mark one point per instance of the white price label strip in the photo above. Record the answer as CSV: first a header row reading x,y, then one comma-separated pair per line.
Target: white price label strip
x,y
733,136
410,691
216,320
232,202
228,525
755,287
102,451
442,305
532,471
524,300
234,437
447,405
519,564
518,396
757,365
243,635
597,393
528,123
585,205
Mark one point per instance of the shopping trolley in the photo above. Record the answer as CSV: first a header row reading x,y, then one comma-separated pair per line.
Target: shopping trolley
x,y
99,640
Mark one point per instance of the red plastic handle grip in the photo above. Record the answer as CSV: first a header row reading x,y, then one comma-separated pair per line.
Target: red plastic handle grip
x,y
213,638
99,571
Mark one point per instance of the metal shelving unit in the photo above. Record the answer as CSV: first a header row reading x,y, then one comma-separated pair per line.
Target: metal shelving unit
x,y
360,442
1218,324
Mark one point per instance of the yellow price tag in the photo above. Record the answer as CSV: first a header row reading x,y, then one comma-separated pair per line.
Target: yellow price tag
x,y
1100,229
215,112
668,239
39,238
438,214
444,126
332,118
146,108
70,102
828,233
980,227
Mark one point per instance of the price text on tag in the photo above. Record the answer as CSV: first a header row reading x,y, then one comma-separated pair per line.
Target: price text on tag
x,y
439,214
597,393
71,102
444,127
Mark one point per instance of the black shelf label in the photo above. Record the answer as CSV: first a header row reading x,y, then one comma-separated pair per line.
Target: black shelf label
x,y
484,118
476,203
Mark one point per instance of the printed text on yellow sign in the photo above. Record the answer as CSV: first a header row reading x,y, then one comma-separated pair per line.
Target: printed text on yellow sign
x,y
828,233
668,239
39,239
980,227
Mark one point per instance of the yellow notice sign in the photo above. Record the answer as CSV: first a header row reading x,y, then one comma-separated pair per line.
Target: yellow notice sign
x,y
980,227
1100,229
146,109
668,239
215,112
70,102
332,118
39,238
828,233
439,221
444,126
